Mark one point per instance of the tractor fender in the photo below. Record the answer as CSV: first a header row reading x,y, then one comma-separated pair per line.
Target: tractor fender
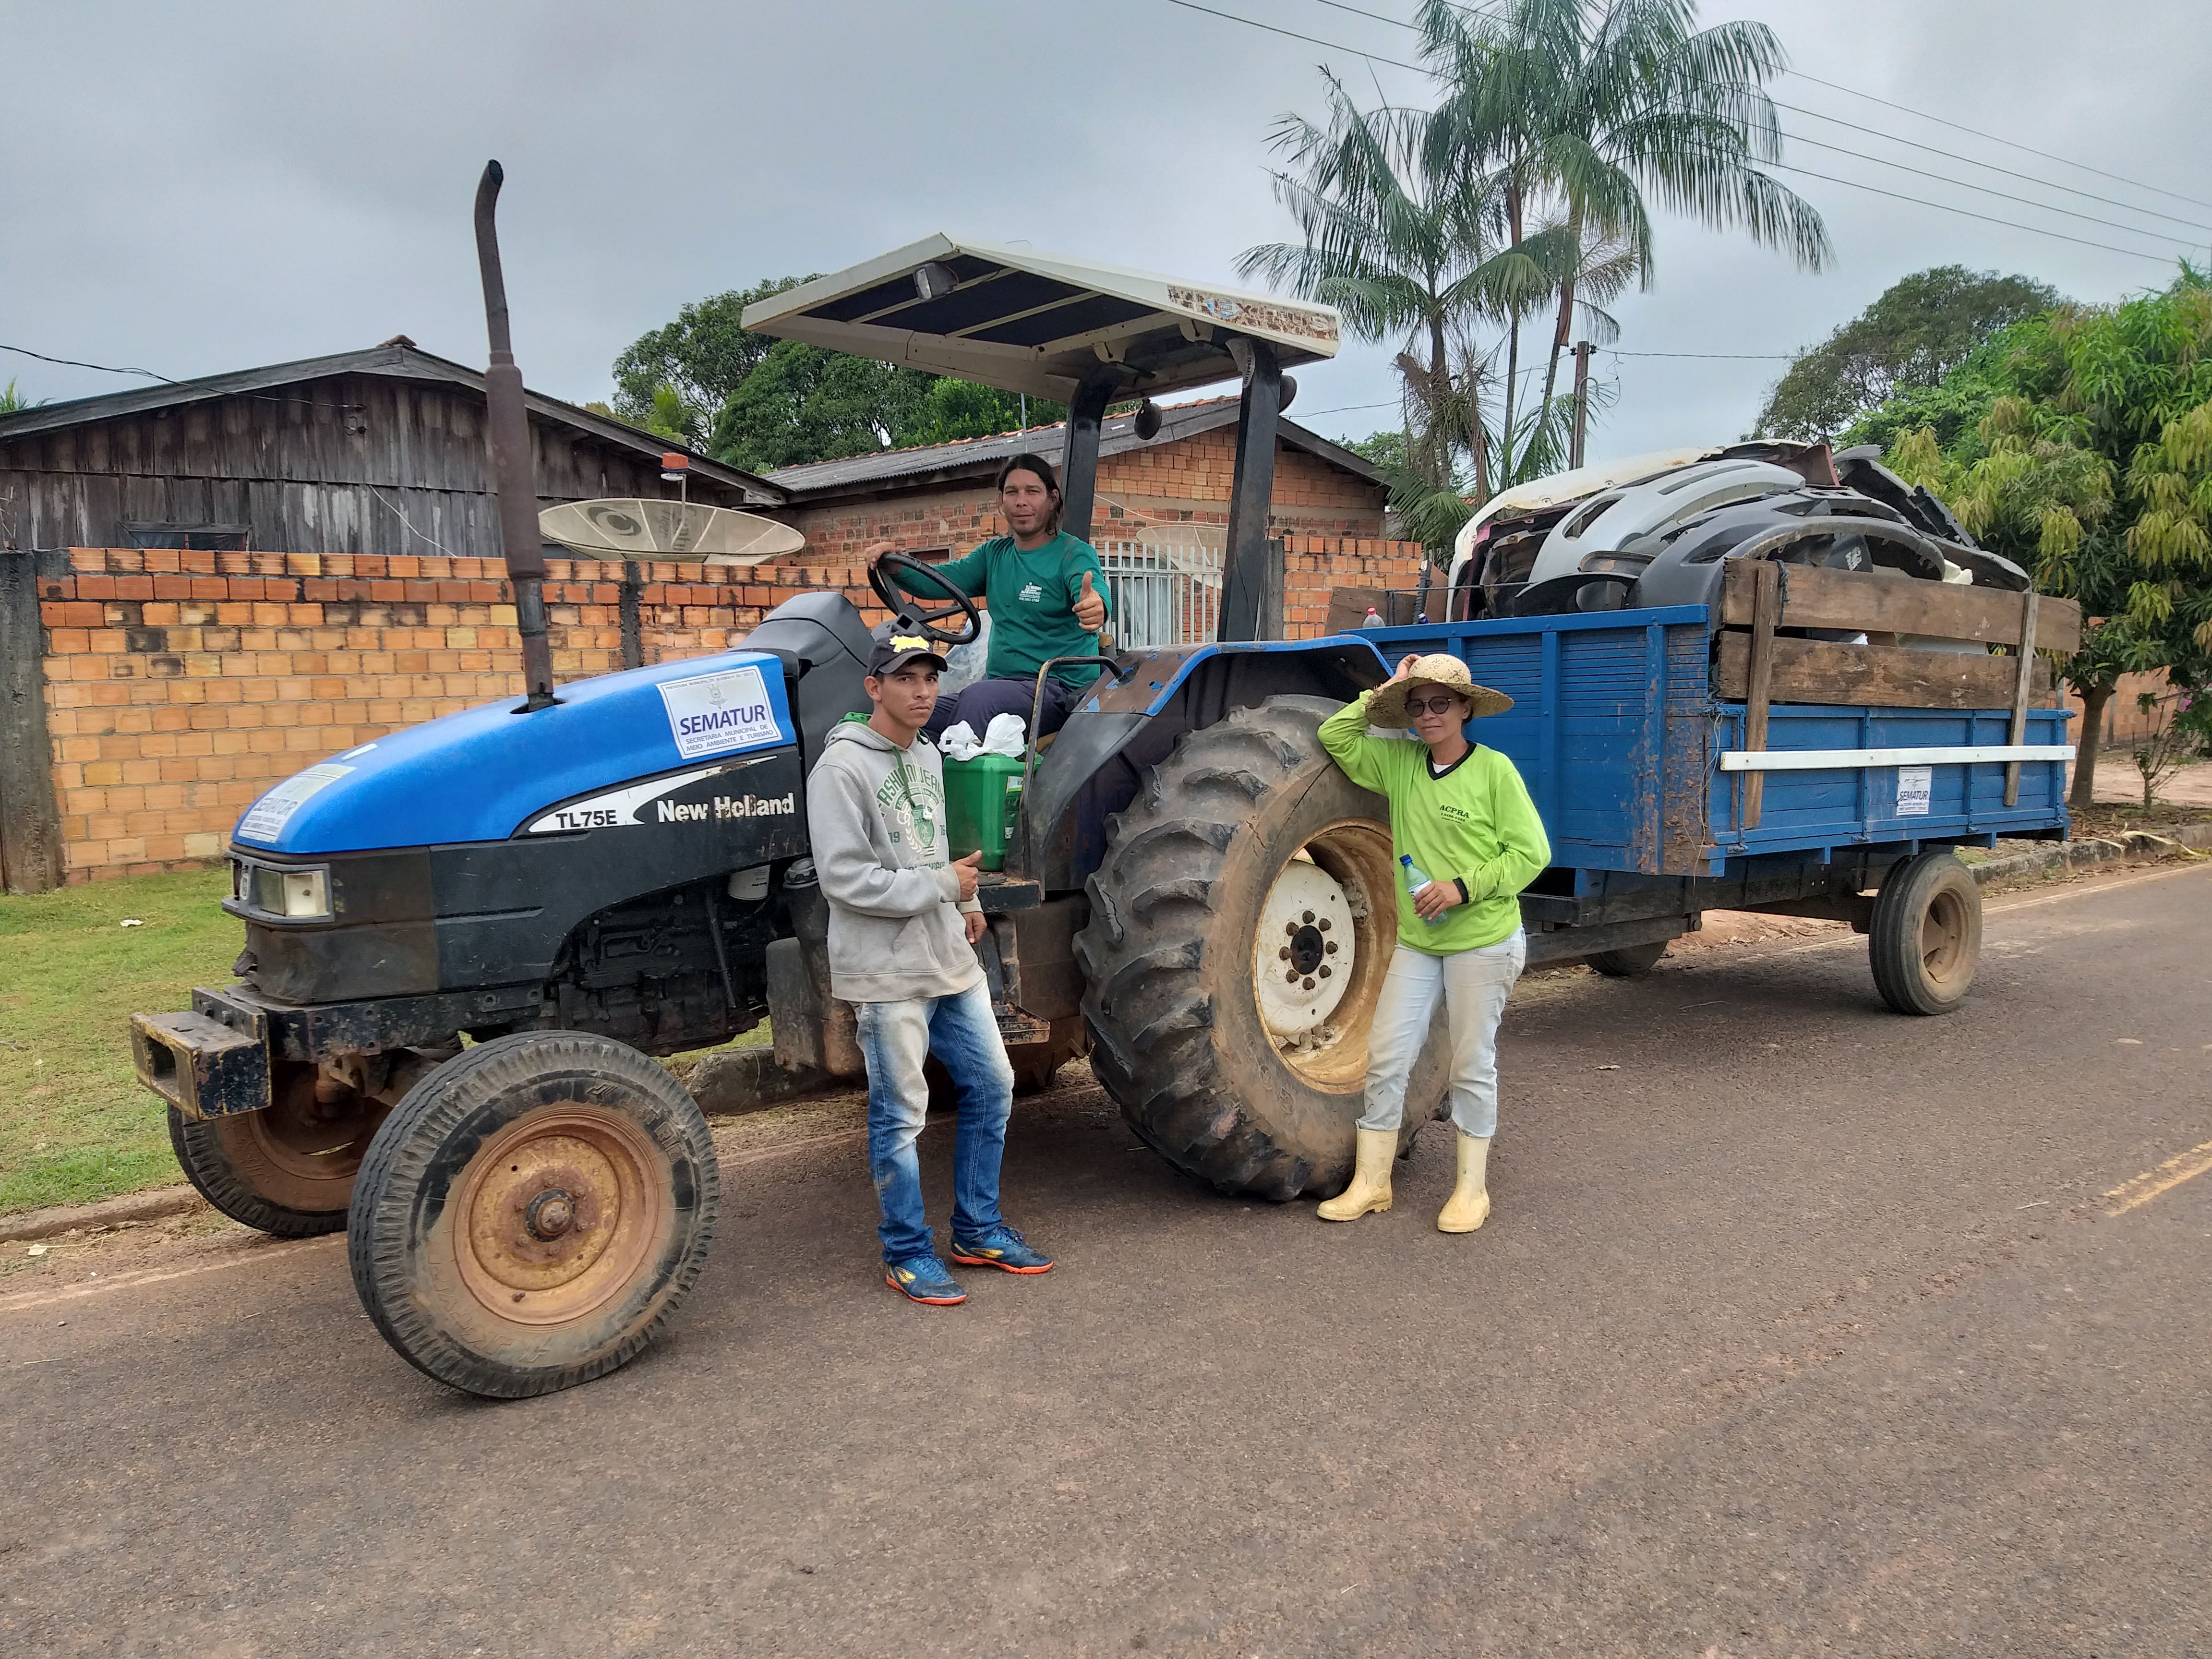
x,y
1129,722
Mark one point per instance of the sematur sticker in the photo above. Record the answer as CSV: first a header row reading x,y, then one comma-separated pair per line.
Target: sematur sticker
x,y
266,819
1915,784
714,713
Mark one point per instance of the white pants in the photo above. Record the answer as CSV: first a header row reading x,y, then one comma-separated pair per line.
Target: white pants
x,y
1474,985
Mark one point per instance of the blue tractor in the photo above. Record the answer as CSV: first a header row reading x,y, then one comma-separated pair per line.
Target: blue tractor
x,y
466,942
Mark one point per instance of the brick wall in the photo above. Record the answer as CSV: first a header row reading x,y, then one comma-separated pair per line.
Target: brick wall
x,y
1180,482
1314,565
180,685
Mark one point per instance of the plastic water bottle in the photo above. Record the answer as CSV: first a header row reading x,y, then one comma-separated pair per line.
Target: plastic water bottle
x,y
1414,882
1371,619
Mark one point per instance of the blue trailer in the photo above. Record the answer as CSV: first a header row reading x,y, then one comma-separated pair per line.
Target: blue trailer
x,y
1665,796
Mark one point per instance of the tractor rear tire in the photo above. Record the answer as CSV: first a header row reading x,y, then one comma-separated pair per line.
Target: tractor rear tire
x,y
1925,936
288,1170
1242,1059
1629,962
532,1213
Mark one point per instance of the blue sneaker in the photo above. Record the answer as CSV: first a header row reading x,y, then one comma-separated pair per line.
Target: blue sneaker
x,y
923,1279
1001,1247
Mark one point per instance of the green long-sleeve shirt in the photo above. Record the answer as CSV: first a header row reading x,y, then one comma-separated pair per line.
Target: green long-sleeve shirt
x,y
1475,823
1032,599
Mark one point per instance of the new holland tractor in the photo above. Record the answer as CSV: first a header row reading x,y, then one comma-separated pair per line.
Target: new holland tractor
x,y
466,942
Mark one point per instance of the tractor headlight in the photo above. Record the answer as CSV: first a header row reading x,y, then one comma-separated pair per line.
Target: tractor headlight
x,y
295,895
307,892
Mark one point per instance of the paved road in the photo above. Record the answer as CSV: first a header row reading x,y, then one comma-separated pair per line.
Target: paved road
x,y
1806,1330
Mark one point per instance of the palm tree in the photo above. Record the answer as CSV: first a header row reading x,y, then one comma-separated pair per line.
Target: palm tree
x,y
1583,107
1405,254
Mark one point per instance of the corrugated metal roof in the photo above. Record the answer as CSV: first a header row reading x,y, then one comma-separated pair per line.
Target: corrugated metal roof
x,y
1117,435
395,359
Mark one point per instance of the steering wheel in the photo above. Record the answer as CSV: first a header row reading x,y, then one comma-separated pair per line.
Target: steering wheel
x,y
914,612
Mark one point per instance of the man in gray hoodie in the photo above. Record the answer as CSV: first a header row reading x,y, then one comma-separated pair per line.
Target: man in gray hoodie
x,y
903,923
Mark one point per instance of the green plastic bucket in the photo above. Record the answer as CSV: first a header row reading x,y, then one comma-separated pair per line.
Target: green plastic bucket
x,y
981,797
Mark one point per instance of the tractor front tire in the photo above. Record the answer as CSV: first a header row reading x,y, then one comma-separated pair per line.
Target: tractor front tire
x,y
532,1213
1241,924
288,1170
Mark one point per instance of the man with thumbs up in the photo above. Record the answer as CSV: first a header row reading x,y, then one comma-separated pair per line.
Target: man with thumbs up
x,y
1045,591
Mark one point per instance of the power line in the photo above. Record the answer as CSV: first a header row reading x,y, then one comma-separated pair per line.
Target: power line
x,y
1742,357
72,362
2005,196
257,397
1941,121
1991,167
1347,409
1310,39
1940,207
1952,155
1967,213
2135,184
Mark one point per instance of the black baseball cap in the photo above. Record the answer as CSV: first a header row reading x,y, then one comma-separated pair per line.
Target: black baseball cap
x,y
894,651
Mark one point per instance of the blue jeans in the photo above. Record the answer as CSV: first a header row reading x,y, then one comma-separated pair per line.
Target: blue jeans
x,y
896,1037
1474,985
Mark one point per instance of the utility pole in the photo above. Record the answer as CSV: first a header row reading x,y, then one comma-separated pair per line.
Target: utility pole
x,y
1582,350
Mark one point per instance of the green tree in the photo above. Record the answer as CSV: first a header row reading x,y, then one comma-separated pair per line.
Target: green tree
x,y
1386,449
703,357
1580,114
1924,326
2092,466
952,408
13,402
1405,253
804,404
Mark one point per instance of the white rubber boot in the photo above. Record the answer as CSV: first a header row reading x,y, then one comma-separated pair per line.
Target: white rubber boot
x,y
1468,1207
1371,1178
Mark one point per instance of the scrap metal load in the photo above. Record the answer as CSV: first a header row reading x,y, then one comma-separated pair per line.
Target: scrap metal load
x,y
1661,530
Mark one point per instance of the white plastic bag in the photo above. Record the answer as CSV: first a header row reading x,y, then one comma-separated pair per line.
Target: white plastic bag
x,y
1008,734
959,741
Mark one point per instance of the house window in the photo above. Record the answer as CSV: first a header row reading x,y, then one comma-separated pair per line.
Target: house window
x,y
200,537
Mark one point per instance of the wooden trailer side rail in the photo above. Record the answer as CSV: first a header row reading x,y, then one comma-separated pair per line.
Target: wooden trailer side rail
x,y
1752,666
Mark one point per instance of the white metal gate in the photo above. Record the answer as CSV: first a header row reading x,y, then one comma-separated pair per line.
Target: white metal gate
x,y
1163,582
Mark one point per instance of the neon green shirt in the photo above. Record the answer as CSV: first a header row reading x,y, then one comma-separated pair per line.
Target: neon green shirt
x,y
1032,598
1475,823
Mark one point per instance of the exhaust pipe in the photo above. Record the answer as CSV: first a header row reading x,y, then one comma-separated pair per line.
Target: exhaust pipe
x,y
513,477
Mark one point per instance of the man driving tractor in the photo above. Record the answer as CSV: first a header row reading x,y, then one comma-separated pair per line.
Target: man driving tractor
x,y
1045,591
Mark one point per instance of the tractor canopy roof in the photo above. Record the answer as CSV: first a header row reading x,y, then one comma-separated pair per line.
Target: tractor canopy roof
x,y
1025,321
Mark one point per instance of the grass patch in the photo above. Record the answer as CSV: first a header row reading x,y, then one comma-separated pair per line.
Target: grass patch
x,y
75,1123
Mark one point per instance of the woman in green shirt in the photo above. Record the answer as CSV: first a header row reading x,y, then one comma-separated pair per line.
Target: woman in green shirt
x,y
1047,595
1467,840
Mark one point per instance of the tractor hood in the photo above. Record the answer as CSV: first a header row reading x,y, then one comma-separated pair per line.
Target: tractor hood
x,y
482,774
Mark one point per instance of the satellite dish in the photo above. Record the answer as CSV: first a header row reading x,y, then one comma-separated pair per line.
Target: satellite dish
x,y
667,529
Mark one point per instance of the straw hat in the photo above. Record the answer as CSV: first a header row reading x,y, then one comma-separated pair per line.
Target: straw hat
x,y
1387,709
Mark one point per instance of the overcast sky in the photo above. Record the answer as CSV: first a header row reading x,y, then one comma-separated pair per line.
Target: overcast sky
x,y
197,188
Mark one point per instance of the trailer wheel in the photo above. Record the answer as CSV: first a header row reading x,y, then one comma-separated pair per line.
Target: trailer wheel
x,y
1241,924
1629,962
288,1170
1926,934
1036,1065
532,1213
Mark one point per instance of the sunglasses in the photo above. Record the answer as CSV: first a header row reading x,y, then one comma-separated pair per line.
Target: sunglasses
x,y
1430,705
